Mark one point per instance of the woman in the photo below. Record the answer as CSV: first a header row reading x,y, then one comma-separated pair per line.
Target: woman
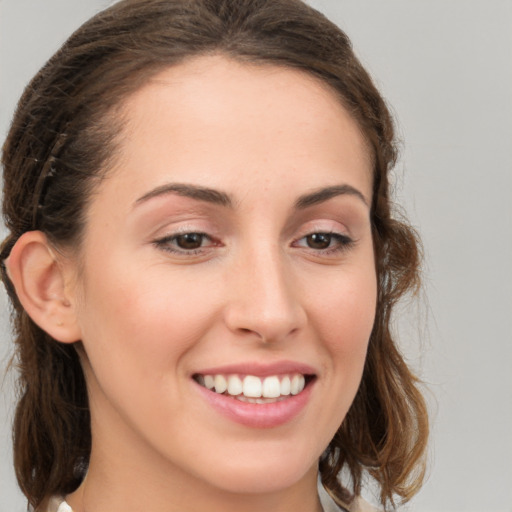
x,y
203,264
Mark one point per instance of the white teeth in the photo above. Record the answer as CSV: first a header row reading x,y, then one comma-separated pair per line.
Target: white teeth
x,y
285,386
252,386
234,385
297,384
255,389
220,384
271,387
209,381
243,398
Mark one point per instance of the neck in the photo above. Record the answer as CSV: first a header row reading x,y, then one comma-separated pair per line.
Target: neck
x,y
113,492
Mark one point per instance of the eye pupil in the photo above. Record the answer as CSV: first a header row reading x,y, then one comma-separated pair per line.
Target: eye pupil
x,y
189,241
319,240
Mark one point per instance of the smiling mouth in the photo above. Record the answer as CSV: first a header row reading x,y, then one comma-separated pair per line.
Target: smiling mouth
x,y
253,389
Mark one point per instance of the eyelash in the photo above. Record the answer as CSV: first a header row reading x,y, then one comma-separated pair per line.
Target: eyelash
x,y
341,242
337,243
169,243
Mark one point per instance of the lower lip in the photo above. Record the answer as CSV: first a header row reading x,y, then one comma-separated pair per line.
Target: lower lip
x,y
269,415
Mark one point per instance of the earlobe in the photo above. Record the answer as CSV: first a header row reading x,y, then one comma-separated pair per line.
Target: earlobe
x,y
40,280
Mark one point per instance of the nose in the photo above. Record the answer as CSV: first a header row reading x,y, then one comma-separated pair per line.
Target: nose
x,y
264,300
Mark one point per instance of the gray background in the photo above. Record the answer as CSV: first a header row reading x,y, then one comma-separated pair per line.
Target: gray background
x,y
446,68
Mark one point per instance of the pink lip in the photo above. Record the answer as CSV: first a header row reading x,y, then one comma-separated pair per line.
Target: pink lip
x,y
260,416
260,370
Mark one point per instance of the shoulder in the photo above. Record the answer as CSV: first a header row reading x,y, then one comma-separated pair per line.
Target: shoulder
x,y
329,505
57,504
360,505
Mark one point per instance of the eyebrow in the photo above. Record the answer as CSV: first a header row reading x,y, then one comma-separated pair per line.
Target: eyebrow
x,y
324,194
197,192
213,196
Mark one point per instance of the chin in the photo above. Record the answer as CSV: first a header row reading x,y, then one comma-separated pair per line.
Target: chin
x,y
264,474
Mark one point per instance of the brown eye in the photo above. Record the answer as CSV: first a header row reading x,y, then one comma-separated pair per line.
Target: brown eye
x,y
190,241
319,240
187,244
325,244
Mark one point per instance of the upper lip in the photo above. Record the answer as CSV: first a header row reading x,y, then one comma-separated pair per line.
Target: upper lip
x,y
259,369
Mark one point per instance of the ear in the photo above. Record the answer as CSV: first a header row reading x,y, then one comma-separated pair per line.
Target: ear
x,y
42,283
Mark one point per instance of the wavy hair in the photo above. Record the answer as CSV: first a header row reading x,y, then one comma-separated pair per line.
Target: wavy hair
x,y
62,139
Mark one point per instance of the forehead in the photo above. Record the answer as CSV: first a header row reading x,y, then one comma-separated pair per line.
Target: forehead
x,y
213,117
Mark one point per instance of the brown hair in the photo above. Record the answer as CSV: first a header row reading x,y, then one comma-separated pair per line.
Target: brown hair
x,y
63,137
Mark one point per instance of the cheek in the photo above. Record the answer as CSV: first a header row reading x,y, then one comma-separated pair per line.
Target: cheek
x,y
144,318
136,335
345,319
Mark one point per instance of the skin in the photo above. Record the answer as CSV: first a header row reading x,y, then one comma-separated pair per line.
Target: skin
x,y
254,291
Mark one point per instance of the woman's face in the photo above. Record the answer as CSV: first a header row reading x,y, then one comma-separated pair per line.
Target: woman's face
x,y
229,246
